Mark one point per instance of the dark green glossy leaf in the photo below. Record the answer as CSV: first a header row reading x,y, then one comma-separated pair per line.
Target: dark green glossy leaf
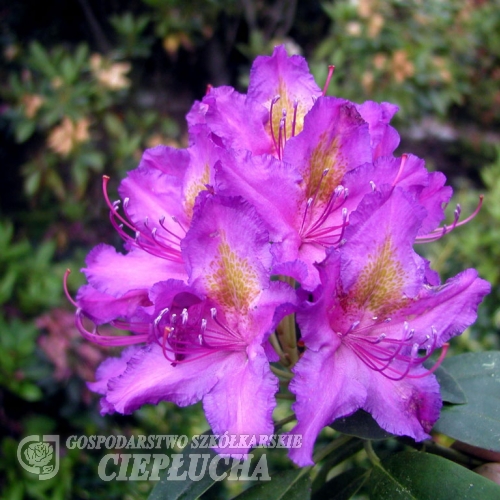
x,y
188,489
422,476
451,392
290,484
343,486
478,422
360,424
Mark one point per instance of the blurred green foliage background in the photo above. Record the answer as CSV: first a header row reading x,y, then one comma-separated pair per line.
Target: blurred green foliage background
x,y
86,86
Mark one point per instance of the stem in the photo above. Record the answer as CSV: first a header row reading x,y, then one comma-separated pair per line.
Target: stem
x,y
287,334
281,373
276,345
372,456
323,452
288,397
280,423
333,445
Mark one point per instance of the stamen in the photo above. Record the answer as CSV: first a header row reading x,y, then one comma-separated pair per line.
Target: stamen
x,y
441,231
318,232
294,121
274,100
280,137
381,353
331,69
107,340
65,287
176,220
153,243
283,120
404,157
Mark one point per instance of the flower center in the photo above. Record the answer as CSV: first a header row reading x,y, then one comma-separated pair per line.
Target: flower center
x,y
278,123
318,225
188,335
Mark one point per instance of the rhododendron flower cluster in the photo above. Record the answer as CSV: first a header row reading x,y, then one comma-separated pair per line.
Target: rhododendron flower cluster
x,y
287,208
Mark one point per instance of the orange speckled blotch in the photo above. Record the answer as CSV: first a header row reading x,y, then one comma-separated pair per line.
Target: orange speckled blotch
x,y
325,155
233,282
194,190
380,283
286,103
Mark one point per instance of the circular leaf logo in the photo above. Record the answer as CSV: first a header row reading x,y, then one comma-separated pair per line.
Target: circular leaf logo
x,y
39,454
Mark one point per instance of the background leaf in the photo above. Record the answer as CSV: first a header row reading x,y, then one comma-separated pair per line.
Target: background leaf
x,y
360,424
343,486
166,489
450,389
422,476
477,422
289,485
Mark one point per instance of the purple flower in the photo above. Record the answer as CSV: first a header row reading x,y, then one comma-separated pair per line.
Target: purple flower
x,y
204,336
324,155
280,181
377,316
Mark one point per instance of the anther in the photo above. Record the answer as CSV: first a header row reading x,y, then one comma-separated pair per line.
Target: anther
x,y
295,106
184,316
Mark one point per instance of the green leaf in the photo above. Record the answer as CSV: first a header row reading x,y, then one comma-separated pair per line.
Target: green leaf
x,y
41,59
478,422
360,424
114,126
32,183
187,489
30,392
422,476
290,484
343,486
93,159
451,392
24,130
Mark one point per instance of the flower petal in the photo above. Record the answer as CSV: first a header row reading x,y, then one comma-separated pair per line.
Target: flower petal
x,y
407,407
243,400
379,267
269,185
237,120
328,384
102,308
335,139
226,263
384,138
150,378
116,274
287,77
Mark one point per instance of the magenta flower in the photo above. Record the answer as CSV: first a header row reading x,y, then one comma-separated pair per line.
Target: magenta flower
x,y
324,155
279,181
204,340
377,316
